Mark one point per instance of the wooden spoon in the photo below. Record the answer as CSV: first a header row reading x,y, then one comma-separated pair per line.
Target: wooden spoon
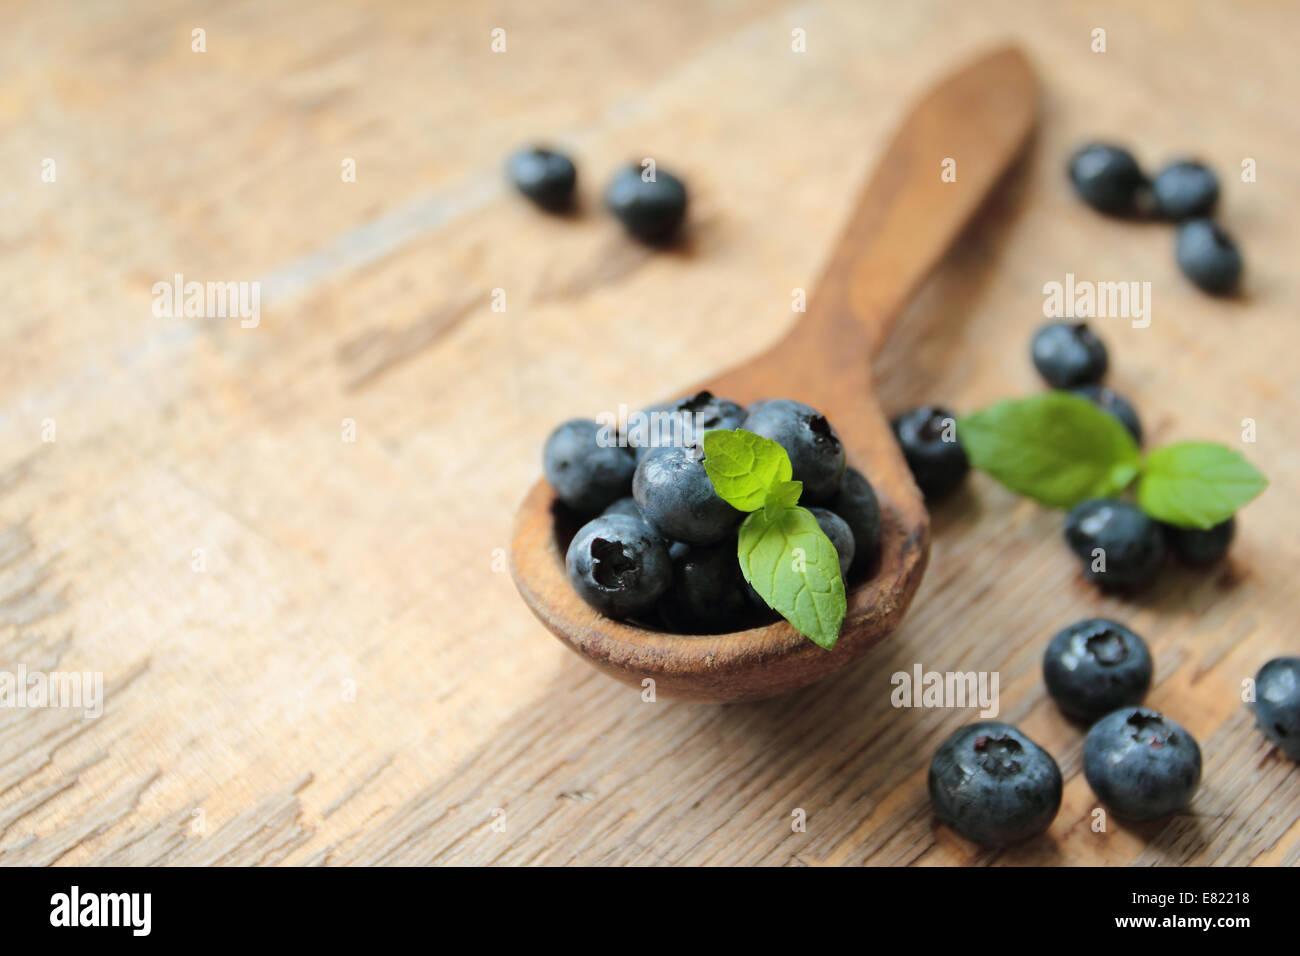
x,y
905,220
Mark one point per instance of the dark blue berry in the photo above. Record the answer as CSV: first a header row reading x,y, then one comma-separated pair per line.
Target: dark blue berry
x,y
1183,189
683,421
1119,546
650,211
1141,764
1107,178
618,565
1277,703
928,439
856,503
816,455
1094,666
708,591
841,535
625,506
1201,547
586,467
677,498
994,785
1114,404
544,176
1068,354
1208,256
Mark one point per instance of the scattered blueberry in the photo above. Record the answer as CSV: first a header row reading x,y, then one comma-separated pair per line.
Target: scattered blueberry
x,y
816,455
841,535
1184,189
587,475
1141,764
929,443
707,593
683,421
1114,404
1107,178
1068,354
1131,545
1201,547
993,785
1094,666
544,176
1208,256
856,503
1277,703
677,497
650,211
618,565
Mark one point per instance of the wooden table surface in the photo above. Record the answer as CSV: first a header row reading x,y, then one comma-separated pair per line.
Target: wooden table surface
x,y
311,647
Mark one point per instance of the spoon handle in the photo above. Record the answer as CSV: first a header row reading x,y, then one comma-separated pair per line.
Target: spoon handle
x,y
944,160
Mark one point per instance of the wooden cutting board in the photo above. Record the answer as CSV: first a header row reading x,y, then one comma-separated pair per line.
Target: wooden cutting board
x,y
283,546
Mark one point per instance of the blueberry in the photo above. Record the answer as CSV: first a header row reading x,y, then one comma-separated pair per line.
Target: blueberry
x,y
1130,543
1141,764
856,503
544,176
708,591
1201,547
682,422
625,506
841,535
1208,256
1277,703
994,785
1185,188
816,454
1107,178
587,475
650,211
1094,666
929,443
618,565
1068,354
677,497
1114,404
759,610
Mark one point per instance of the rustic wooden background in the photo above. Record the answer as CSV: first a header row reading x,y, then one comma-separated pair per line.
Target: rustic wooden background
x,y
353,679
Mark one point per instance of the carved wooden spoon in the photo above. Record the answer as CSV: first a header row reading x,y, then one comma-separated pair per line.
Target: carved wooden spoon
x,y
905,220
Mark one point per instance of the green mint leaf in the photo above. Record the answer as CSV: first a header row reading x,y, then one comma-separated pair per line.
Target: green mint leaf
x,y
744,467
1197,484
794,567
780,497
1058,448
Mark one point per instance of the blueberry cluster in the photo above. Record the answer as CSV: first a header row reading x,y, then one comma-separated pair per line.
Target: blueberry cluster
x,y
651,209
1185,192
659,547
1120,546
994,786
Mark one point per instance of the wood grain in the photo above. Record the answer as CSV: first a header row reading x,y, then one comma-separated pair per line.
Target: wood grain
x,y
352,678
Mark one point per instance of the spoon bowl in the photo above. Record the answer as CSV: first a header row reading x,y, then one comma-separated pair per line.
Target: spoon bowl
x,y
904,222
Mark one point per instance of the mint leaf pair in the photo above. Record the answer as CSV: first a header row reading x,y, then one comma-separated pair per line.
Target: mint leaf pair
x,y
1060,449
783,552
